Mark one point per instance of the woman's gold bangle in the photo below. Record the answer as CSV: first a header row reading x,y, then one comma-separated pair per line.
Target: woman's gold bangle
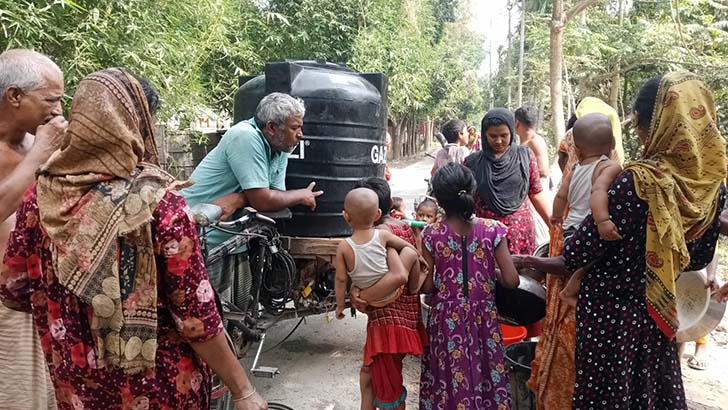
x,y
246,397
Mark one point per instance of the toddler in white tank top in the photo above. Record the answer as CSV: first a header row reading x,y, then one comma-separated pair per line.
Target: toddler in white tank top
x,y
377,262
584,190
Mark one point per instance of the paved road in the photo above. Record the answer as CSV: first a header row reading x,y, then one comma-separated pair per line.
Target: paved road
x,y
320,363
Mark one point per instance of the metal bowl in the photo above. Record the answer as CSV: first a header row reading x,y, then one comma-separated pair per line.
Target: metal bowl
x,y
527,303
697,312
521,306
542,250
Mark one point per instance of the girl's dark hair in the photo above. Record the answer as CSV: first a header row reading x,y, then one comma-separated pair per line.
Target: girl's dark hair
x,y
427,202
451,129
644,104
381,188
453,186
150,91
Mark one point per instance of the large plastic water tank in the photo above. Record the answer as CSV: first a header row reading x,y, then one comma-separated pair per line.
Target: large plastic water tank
x,y
344,133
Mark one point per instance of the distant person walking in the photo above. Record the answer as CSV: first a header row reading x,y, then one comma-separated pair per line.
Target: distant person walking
x,y
456,134
526,126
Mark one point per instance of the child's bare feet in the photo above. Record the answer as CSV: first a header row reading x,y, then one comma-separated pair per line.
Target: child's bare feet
x,y
570,293
411,261
568,297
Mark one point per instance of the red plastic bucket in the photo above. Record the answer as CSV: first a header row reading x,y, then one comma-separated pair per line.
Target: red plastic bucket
x,y
512,334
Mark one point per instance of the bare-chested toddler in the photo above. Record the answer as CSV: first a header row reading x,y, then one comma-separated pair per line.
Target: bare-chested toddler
x,y
584,190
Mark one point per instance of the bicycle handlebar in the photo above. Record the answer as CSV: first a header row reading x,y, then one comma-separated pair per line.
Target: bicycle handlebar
x,y
244,220
206,215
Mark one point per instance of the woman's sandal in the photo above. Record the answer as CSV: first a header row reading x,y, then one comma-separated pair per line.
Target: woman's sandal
x,y
697,364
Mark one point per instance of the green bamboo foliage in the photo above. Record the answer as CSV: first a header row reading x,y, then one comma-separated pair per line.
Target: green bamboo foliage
x,y
194,50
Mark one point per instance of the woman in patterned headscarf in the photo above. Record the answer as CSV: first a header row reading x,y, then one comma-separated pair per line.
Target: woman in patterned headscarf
x,y
665,206
106,256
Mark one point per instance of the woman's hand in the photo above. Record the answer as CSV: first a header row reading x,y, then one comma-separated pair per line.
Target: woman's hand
x,y
710,282
556,220
521,261
254,402
722,294
358,303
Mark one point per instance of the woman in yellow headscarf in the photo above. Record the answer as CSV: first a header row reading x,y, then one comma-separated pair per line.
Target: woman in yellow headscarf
x,y
590,105
665,206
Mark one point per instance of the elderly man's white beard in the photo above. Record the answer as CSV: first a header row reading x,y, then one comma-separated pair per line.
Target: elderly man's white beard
x,y
278,142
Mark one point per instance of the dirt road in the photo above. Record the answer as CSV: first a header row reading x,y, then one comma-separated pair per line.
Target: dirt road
x,y
320,363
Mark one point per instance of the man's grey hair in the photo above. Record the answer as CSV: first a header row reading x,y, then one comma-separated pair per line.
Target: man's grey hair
x,y
278,107
27,70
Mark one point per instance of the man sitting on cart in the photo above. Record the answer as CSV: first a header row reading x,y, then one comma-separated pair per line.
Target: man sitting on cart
x,y
248,166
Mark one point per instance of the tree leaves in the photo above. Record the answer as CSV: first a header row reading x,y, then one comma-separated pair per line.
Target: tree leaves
x,y
194,50
644,43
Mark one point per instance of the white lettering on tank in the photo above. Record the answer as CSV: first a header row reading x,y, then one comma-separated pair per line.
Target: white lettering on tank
x,y
379,154
300,151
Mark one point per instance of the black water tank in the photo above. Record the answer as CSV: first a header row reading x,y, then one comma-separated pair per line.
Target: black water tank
x,y
344,133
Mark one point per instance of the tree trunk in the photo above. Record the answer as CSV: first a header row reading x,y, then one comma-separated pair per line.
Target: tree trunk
x,y
414,147
520,53
399,137
570,99
555,69
614,88
616,78
428,127
559,18
509,54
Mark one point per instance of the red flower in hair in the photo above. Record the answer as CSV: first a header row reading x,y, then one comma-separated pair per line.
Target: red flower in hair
x,y
177,265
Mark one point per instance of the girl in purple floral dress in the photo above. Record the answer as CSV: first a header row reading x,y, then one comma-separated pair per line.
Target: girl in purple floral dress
x,y
463,368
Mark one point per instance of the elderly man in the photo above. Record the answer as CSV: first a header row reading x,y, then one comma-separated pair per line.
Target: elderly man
x,y
248,167
31,128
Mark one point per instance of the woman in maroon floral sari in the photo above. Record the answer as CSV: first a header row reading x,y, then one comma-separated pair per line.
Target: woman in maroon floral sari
x,y
105,256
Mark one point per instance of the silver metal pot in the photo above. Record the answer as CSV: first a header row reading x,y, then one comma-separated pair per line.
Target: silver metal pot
x,y
698,312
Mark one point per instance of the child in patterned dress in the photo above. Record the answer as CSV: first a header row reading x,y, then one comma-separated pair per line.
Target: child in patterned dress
x,y
464,365
380,264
